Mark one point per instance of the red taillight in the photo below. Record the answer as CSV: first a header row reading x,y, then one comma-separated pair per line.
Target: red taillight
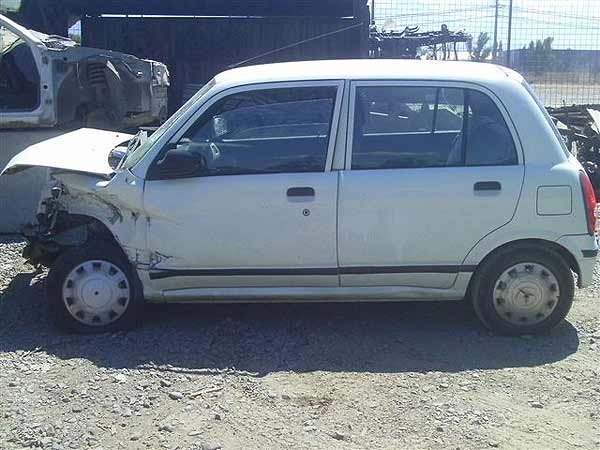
x,y
589,198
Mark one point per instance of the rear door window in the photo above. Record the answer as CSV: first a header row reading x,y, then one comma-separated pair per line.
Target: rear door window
x,y
489,140
414,127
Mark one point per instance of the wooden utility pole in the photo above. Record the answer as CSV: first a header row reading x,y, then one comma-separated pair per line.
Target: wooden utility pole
x,y
508,45
372,12
495,54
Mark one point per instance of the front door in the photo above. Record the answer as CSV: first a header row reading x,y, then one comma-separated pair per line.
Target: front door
x,y
431,171
263,211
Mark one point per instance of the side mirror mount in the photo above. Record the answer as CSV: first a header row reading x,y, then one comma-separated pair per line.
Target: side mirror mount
x,y
178,163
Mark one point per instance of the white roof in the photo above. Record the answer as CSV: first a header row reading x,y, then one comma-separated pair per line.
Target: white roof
x,y
369,69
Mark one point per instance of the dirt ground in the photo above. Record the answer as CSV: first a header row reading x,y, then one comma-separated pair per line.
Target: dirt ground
x,y
261,377
566,94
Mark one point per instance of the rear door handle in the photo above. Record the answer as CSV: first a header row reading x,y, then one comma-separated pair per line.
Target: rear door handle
x,y
488,186
301,192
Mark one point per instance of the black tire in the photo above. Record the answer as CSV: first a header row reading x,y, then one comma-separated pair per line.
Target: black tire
x,y
71,259
486,276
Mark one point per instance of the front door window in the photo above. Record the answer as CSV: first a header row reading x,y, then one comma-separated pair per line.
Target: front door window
x,y
284,130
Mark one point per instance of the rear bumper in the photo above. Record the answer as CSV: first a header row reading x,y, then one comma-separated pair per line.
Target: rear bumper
x,y
585,250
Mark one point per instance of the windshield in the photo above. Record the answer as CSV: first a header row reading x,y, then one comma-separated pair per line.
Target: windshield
x,y
138,153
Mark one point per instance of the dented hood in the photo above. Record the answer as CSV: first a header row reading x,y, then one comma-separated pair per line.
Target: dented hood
x,y
85,150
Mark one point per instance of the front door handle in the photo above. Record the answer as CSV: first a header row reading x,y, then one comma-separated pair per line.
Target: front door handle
x,y
486,186
301,192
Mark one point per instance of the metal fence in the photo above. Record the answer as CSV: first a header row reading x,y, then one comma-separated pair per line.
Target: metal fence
x,y
555,44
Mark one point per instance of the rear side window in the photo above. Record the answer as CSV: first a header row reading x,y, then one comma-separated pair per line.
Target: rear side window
x,y
265,131
415,127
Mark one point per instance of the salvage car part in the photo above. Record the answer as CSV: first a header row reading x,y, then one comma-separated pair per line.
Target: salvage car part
x,y
50,81
406,44
580,125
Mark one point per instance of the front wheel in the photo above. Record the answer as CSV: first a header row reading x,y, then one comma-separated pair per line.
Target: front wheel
x,y
93,289
523,290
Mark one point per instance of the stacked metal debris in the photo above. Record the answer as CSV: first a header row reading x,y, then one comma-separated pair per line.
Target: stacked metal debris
x,y
580,125
406,44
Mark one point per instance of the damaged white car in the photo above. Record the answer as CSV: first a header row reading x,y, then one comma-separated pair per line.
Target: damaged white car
x,y
322,181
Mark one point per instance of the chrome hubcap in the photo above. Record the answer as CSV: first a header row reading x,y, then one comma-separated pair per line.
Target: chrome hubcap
x,y
96,293
526,294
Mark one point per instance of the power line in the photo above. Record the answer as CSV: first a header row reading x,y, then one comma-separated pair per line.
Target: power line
x,y
556,24
296,44
560,15
430,10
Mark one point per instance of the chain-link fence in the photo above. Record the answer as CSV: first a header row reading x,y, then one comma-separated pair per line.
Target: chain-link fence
x,y
555,44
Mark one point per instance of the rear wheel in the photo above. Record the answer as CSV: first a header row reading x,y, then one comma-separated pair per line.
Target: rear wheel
x,y
525,289
94,290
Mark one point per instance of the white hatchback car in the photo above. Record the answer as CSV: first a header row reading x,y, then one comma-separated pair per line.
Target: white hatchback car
x,y
323,181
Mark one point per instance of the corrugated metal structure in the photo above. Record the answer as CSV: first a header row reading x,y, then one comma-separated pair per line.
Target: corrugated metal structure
x,y
195,49
199,38
290,8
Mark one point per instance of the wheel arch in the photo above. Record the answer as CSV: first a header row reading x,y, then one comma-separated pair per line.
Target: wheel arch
x,y
69,230
98,228
563,252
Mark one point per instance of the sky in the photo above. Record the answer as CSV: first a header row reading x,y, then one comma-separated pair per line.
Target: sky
x,y
574,24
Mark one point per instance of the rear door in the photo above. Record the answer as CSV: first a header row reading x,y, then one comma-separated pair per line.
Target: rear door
x,y
430,170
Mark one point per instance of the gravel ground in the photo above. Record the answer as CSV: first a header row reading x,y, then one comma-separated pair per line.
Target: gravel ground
x,y
378,376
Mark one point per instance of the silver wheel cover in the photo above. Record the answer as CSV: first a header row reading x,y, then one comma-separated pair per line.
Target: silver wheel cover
x,y
96,293
526,294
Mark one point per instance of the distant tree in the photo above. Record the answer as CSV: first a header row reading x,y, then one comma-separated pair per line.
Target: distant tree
x,y
538,56
76,38
481,51
389,25
497,50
